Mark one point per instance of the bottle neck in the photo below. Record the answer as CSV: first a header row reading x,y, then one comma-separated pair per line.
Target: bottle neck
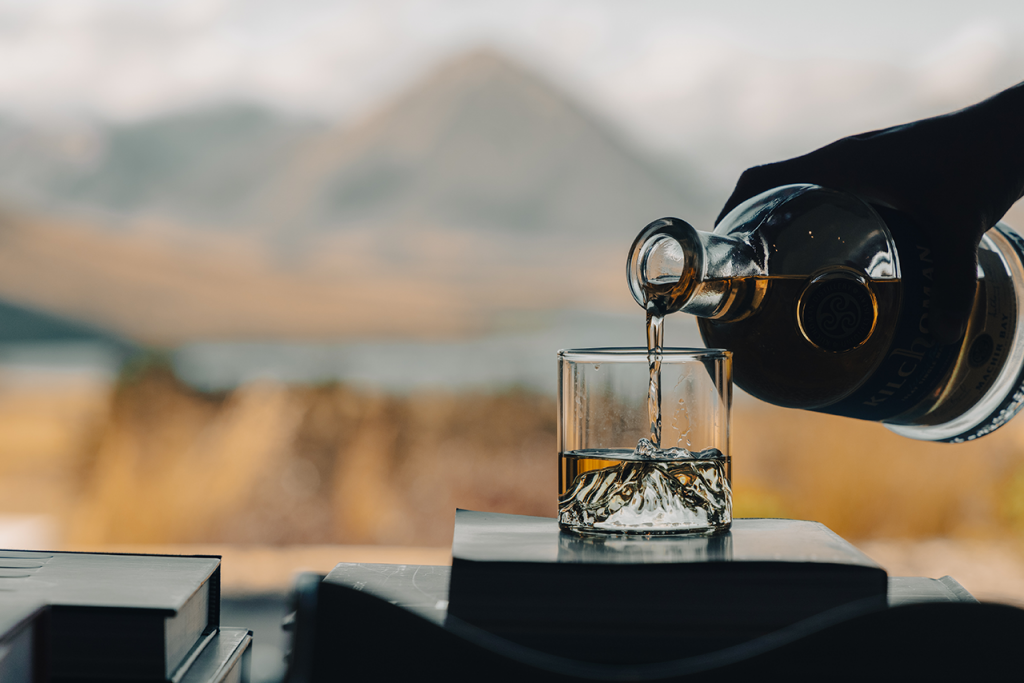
x,y
674,267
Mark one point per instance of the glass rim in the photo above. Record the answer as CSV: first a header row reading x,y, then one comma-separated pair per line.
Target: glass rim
x,y
636,354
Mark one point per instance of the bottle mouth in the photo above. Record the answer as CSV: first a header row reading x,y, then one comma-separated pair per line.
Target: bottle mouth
x,y
664,265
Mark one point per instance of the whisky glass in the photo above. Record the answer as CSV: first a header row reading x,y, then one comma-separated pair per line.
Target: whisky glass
x,y
620,471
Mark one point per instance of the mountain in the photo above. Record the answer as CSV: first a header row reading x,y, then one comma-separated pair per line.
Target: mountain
x,y
200,167
26,325
480,192
480,145
477,198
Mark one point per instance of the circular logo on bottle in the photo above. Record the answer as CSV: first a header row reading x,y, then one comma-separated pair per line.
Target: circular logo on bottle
x,y
981,351
837,314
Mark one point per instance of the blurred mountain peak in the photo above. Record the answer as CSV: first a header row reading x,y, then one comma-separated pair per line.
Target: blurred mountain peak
x,y
482,144
481,60
198,167
483,188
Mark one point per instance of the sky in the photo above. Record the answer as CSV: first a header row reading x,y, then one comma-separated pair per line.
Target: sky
x,y
675,75
134,58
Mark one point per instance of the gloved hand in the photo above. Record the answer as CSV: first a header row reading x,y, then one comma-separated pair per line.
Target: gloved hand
x,y
956,175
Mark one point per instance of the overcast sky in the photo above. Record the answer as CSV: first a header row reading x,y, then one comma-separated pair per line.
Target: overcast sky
x,y
667,71
130,58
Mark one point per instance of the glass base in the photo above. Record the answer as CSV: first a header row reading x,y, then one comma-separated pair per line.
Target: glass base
x,y
644,530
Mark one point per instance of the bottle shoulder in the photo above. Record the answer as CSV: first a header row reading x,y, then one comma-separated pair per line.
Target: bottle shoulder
x,y
800,230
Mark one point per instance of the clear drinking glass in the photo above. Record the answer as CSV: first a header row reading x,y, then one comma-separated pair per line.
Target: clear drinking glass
x,y
622,472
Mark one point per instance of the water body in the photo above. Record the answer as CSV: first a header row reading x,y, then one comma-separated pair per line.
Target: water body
x,y
522,355
59,363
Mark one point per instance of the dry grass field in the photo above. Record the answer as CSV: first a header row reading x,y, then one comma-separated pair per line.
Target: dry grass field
x,y
151,461
278,478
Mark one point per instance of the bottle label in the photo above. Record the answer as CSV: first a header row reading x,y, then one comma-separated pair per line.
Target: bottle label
x,y
916,364
986,351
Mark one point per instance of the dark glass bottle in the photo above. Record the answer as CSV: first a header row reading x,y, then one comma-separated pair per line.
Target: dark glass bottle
x,y
824,300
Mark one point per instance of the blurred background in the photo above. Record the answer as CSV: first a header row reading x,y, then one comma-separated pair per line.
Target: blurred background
x,y
286,279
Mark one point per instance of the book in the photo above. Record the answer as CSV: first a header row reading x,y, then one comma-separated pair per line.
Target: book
x,y
22,640
383,622
911,590
118,616
420,589
423,589
524,579
225,658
